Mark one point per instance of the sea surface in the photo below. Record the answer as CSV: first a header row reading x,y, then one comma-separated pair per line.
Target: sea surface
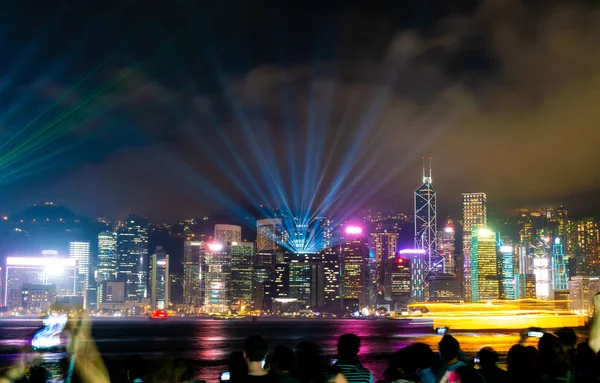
x,y
210,342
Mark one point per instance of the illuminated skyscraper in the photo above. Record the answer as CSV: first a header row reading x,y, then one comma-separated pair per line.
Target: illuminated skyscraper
x,y
397,281
216,278
446,248
107,257
228,234
323,233
269,234
559,268
354,253
417,273
542,259
385,246
426,225
484,268
159,280
586,253
132,267
330,258
507,270
80,251
242,256
474,215
193,255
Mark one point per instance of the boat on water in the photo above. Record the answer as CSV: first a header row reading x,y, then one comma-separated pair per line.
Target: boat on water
x,y
161,315
496,315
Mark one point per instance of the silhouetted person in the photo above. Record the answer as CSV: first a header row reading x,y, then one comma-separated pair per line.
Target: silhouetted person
x,y
553,361
521,364
449,353
238,369
466,374
255,351
311,364
282,362
348,349
490,371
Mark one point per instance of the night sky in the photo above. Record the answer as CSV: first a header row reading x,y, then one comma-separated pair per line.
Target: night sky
x,y
110,107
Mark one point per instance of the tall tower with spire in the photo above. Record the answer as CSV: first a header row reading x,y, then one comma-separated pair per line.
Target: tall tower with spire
x,y
426,224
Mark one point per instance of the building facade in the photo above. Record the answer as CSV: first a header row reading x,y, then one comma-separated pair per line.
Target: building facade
x,y
474,207
132,266
242,256
485,284
193,256
159,285
106,269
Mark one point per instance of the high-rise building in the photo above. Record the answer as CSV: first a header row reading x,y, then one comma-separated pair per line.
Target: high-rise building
x,y
474,215
446,248
542,266
330,258
586,252
242,256
269,234
484,268
397,281
525,286
193,256
418,273
228,234
106,269
507,271
559,267
216,279
159,279
58,271
426,225
582,290
300,266
354,253
132,267
80,251
385,245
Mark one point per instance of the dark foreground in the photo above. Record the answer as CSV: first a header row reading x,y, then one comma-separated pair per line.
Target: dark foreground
x,y
208,343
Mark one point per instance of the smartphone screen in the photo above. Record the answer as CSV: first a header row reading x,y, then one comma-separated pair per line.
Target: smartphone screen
x,y
441,330
225,376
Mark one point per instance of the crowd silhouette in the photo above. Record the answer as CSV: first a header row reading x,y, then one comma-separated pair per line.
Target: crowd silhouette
x,y
559,357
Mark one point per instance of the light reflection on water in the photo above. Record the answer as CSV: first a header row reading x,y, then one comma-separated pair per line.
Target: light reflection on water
x,y
210,342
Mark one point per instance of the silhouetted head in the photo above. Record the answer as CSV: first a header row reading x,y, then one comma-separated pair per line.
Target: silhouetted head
x,y
449,348
567,336
255,348
283,359
348,346
488,357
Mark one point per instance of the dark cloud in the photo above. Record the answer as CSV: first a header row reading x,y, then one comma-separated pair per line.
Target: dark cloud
x,y
501,96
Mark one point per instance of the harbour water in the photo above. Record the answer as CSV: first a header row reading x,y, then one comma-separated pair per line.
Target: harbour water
x,y
210,342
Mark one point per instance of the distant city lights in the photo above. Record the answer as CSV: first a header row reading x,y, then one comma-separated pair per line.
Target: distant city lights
x,y
449,229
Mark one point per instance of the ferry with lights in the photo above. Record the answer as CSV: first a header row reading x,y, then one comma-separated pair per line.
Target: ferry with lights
x,y
159,315
495,315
